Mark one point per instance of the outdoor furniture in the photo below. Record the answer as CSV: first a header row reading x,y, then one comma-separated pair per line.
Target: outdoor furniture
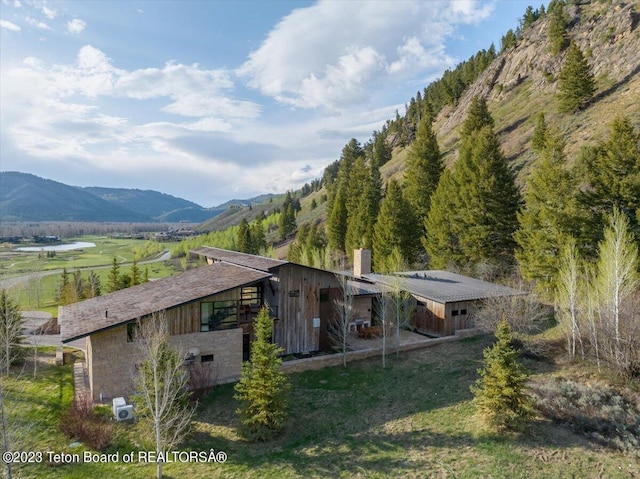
x,y
370,332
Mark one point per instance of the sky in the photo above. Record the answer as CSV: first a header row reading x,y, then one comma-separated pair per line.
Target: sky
x,y
214,100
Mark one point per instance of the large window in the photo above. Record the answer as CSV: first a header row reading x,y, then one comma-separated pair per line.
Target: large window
x,y
218,315
251,296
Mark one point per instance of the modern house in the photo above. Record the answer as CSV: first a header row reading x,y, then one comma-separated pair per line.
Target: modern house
x,y
210,312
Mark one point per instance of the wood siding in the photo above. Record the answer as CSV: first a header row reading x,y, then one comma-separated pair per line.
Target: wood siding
x,y
298,303
440,319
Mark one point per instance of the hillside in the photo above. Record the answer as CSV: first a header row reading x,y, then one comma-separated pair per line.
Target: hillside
x,y
25,197
522,81
153,204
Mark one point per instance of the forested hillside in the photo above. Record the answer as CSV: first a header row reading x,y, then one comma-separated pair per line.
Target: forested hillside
x,y
500,162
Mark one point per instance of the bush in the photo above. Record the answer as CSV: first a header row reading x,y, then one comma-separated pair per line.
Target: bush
x,y
598,412
82,423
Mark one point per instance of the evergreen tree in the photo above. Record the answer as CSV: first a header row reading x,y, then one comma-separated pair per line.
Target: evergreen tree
x,y
337,221
440,240
478,116
539,139
78,285
258,240
508,40
113,279
550,216
262,388
485,200
244,236
576,84
499,394
611,172
93,287
396,226
424,167
356,205
135,273
557,26
287,223
145,278
381,150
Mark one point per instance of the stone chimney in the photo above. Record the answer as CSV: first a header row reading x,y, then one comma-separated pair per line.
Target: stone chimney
x,y
361,262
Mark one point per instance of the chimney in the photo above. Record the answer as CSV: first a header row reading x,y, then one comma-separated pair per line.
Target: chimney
x,y
361,262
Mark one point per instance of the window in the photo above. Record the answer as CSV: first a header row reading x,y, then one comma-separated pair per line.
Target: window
x,y
251,295
218,315
454,312
463,311
206,358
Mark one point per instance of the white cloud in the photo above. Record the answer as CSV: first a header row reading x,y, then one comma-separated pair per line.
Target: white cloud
x,y
48,12
76,26
37,23
337,54
7,25
17,4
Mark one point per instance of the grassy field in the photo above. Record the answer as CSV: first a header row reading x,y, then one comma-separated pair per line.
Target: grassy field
x,y
414,419
39,294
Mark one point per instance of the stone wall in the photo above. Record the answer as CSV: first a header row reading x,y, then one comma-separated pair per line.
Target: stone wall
x,y
319,362
112,361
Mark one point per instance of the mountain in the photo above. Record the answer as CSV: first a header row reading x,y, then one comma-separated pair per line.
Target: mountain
x,y
26,197
155,205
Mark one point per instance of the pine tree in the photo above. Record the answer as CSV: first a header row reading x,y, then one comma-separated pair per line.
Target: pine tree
x,y
381,150
576,84
557,27
539,139
396,226
256,234
440,240
499,394
113,279
486,200
262,388
478,116
424,167
134,273
551,215
337,221
244,236
611,171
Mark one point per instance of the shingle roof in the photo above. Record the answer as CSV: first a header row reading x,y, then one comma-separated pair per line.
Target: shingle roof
x,y
443,286
260,263
86,317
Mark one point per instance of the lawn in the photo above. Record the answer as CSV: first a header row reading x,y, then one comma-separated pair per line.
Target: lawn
x,y
414,419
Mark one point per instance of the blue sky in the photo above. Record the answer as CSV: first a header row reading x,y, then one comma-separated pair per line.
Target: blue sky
x,y
213,100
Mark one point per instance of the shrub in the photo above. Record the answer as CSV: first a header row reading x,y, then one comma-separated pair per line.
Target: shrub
x,y
82,423
598,412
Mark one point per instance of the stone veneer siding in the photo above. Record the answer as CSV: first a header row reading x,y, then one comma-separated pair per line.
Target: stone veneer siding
x,y
111,360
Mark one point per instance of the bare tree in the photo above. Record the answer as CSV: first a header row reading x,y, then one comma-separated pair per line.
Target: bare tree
x,y
617,281
343,313
11,332
384,316
162,386
567,296
399,299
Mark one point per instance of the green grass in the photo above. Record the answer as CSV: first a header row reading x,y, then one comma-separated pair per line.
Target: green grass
x,y
98,259
414,419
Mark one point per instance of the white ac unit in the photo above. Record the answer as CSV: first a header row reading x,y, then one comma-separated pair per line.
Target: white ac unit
x,y
121,410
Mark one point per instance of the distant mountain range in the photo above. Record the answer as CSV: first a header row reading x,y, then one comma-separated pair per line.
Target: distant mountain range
x,y
26,197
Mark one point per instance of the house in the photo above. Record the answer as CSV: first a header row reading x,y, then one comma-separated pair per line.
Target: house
x,y
443,302
210,311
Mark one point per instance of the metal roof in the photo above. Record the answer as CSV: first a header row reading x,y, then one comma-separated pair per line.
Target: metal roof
x,y
260,263
103,312
443,286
